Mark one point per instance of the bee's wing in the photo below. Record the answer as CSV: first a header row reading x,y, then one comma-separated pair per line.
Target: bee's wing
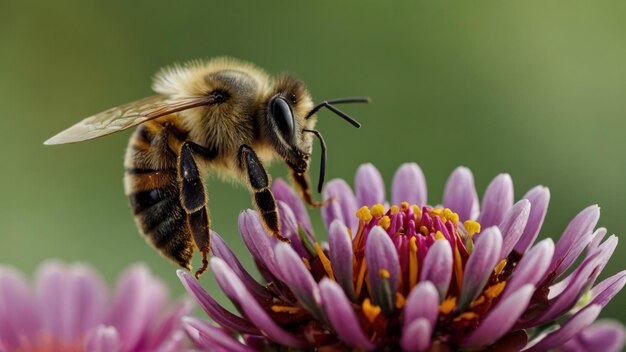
x,y
126,116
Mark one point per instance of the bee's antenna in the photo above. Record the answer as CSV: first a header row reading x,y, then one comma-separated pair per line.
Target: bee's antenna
x,y
323,161
328,104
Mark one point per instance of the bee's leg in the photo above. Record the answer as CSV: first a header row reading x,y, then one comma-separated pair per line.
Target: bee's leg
x,y
260,184
302,184
193,198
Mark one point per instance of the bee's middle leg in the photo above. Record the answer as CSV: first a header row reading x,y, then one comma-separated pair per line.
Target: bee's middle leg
x,y
193,199
259,183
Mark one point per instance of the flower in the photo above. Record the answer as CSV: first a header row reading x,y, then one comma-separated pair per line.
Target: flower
x,y
407,275
69,311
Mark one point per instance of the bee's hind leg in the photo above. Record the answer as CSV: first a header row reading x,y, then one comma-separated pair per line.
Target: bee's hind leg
x,y
193,199
259,183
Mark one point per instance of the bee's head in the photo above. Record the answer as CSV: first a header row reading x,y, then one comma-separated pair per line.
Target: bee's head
x,y
291,120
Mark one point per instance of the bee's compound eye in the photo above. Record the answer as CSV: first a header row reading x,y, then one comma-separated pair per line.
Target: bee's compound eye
x,y
282,115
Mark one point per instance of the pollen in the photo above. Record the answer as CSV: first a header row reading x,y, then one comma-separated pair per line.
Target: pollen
x,y
416,210
501,265
413,264
404,206
450,215
378,210
439,236
306,263
400,300
447,305
384,222
394,210
384,273
370,311
285,309
424,230
364,214
465,316
495,290
472,227
325,261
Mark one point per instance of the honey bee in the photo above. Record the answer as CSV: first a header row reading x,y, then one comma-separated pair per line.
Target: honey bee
x,y
220,115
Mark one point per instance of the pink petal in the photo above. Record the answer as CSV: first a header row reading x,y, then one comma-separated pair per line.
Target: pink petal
x,y
342,207
340,256
437,267
103,339
409,185
497,200
513,226
369,186
211,338
17,308
460,194
282,192
539,198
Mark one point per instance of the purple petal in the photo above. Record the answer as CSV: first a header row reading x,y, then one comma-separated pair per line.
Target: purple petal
x,y
221,316
211,338
103,339
606,336
237,292
17,308
480,265
409,185
341,315
369,186
298,278
72,297
341,255
497,200
416,336
578,282
342,207
460,194
289,229
421,303
259,243
500,319
571,328
539,198
437,267
574,239
286,194
513,226
381,255
607,289
598,236
220,249
165,331
531,268
136,304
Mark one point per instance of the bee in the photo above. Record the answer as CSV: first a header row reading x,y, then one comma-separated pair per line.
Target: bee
x,y
220,115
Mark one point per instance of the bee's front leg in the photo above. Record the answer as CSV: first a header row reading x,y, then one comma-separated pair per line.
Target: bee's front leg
x,y
193,198
302,184
259,183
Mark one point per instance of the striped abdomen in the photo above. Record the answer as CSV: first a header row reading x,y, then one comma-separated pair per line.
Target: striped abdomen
x,y
151,184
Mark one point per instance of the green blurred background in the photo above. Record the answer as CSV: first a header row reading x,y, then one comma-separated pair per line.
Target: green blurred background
x,y
535,89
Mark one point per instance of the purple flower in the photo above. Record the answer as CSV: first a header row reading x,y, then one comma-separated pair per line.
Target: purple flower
x,y
411,276
69,310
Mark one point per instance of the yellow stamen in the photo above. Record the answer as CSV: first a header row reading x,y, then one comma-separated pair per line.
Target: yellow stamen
x,y
306,263
447,305
400,301
413,262
394,210
325,261
404,206
439,236
465,316
472,227
370,311
384,222
360,278
378,210
364,214
384,273
435,212
498,269
478,301
285,309
458,268
416,210
450,215
424,230
495,290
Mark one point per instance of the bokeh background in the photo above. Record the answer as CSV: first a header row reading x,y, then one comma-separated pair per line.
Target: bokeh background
x,y
535,89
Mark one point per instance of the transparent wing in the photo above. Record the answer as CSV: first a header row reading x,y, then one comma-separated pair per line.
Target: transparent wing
x,y
126,116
